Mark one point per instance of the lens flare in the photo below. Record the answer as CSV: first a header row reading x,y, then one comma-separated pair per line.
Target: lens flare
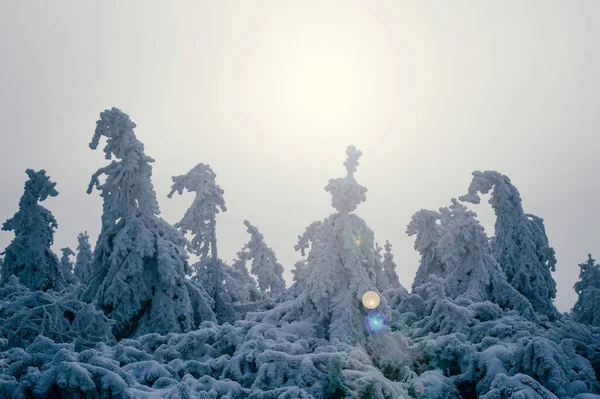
x,y
370,299
376,322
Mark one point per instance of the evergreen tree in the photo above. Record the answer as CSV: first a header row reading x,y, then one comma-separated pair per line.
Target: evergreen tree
x,y
140,264
29,256
343,261
520,244
264,264
85,256
389,267
200,221
340,266
457,250
587,308
380,277
66,265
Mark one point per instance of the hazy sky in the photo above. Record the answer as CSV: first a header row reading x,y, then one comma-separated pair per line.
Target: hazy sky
x,y
270,93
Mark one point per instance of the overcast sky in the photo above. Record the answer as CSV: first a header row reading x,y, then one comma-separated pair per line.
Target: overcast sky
x,y
270,93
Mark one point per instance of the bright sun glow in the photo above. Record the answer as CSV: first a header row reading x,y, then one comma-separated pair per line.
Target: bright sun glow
x,y
323,84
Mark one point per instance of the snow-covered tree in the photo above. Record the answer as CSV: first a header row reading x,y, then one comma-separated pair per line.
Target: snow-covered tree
x,y
264,264
587,308
200,221
340,264
238,292
380,277
85,257
66,265
520,244
458,251
29,256
61,316
389,267
140,264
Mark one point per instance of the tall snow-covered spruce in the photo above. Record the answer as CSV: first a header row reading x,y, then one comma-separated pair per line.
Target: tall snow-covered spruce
x,y
140,262
389,267
454,247
587,308
340,265
200,221
29,256
264,264
85,256
66,265
520,244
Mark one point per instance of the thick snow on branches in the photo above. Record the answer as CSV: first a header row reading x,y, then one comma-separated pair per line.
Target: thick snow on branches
x,y
139,322
29,256
139,261
85,256
587,308
520,243
264,264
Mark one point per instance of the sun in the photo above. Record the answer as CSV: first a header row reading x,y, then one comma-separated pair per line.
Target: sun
x,y
323,84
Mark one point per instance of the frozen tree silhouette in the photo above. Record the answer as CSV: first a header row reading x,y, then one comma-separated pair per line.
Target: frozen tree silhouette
x,y
200,221
520,243
389,267
66,265
264,264
85,256
340,265
457,250
29,256
587,308
140,262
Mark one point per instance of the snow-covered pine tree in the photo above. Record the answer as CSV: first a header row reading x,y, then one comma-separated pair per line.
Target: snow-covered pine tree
x,y
380,277
587,308
29,256
457,250
140,263
264,264
389,267
85,256
340,265
425,225
66,265
200,221
520,244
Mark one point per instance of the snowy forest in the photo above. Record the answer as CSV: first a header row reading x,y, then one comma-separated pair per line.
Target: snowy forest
x,y
132,316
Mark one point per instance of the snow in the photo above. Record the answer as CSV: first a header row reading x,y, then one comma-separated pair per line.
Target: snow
x,y
137,321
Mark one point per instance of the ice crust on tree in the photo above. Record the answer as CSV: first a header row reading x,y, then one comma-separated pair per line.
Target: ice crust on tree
x,y
29,256
140,264
520,244
454,247
200,221
84,259
389,267
340,266
587,308
66,265
462,332
263,262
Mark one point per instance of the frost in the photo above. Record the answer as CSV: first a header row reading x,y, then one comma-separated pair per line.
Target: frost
x,y
139,262
29,256
264,264
520,243
66,265
587,308
83,263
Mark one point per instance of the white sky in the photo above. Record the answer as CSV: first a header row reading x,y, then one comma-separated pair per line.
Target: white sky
x,y
270,93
